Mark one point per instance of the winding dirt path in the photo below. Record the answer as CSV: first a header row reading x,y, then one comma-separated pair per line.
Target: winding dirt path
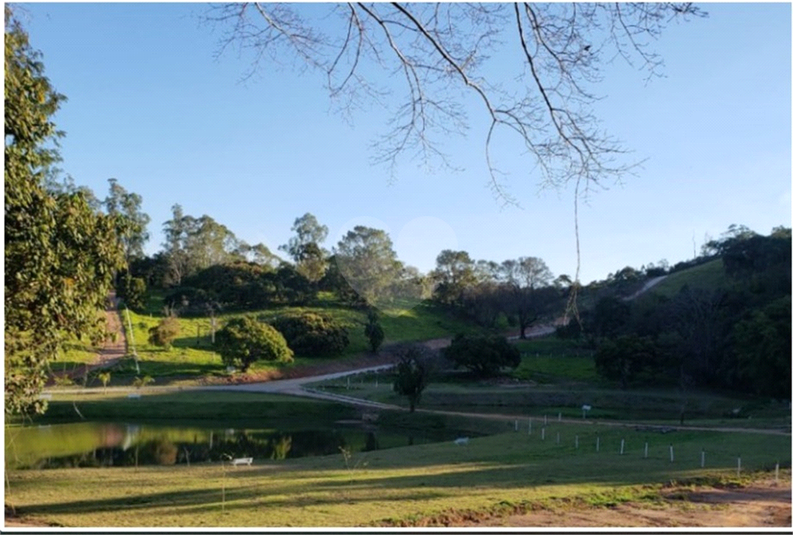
x,y
114,349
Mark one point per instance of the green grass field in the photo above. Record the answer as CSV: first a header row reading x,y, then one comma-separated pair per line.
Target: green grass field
x,y
192,354
391,487
707,276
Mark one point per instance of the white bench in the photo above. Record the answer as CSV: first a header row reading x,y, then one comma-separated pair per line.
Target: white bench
x,y
242,460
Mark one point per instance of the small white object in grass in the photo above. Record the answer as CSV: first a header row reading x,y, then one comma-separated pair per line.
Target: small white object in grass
x,y
462,441
242,460
133,396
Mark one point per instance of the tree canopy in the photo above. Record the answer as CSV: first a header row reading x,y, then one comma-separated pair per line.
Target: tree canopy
x,y
61,254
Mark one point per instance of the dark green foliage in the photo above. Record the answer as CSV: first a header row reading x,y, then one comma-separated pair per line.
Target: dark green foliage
x,y
164,333
132,290
245,340
61,253
244,286
374,331
628,359
188,301
152,269
412,375
608,318
762,349
482,355
312,335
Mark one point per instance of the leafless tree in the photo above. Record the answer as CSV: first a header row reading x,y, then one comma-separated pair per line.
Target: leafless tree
x,y
446,55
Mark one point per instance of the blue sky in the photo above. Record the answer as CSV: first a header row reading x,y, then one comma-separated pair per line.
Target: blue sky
x,y
151,105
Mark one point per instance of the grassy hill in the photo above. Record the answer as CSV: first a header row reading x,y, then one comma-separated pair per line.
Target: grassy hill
x,y
707,276
192,354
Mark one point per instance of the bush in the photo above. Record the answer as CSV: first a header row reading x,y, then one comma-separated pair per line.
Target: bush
x,y
484,356
312,335
245,340
164,333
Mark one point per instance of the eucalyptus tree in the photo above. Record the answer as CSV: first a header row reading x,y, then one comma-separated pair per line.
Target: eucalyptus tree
x,y
305,248
366,258
128,205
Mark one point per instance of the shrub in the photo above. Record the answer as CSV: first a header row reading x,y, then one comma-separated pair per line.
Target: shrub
x,y
245,340
312,335
482,355
164,333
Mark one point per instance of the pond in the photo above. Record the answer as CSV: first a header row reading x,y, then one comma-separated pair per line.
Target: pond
x,y
97,444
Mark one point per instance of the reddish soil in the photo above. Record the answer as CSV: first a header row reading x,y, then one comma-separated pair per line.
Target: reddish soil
x,y
114,349
761,504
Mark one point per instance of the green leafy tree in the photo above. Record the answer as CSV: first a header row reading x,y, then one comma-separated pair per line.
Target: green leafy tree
x,y
366,258
762,349
484,356
454,275
412,376
128,206
305,248
164,333
60,253
528,295
312,335
245,340
628,358
374,331
132,290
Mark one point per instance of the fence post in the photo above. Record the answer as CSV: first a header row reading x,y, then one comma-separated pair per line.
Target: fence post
x,y
576,443
597,443
671,453
739,466
557,437
645,450
622,446
543,433
702,460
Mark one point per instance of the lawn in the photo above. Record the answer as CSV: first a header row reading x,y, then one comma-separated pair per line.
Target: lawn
x,y
192,354
392,487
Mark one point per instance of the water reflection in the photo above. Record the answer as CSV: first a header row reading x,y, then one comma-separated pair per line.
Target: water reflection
x,y
94,444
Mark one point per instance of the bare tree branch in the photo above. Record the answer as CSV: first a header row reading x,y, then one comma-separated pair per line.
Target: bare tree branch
x,y
537,88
